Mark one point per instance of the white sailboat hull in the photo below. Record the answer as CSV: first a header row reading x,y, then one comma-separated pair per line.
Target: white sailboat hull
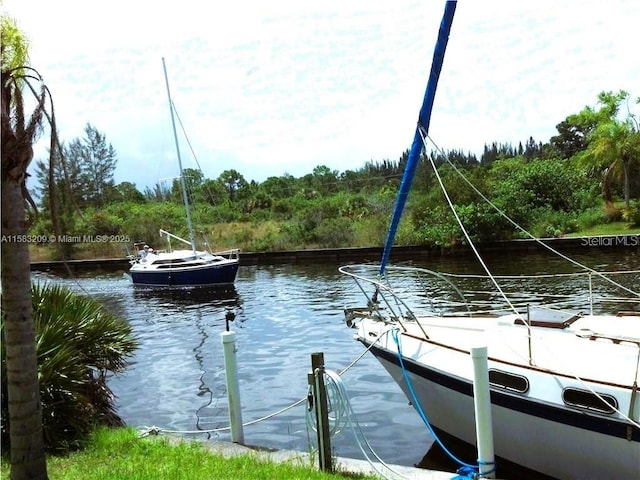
x,y
535,429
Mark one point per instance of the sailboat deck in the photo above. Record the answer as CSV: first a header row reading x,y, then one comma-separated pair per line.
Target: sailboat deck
x,y
582,345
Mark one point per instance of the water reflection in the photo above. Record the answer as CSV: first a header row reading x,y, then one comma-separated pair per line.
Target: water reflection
x,y
188,296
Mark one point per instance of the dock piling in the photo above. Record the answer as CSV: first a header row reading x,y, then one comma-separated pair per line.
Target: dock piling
x,y
482,404
233,388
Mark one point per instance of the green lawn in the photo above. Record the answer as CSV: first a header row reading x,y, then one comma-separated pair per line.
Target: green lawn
x,y
613,228
119,454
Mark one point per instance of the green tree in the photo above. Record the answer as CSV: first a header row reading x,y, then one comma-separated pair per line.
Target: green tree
x,y
19,131
573,135
233,182
213,191
325,180
193,180
279,187
98,163
127,192
61,178
614,144
159,193
64,176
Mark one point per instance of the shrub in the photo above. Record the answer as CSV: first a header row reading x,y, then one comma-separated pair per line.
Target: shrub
x,y
613,213
78,343
552,224
334,233
592,217
632,214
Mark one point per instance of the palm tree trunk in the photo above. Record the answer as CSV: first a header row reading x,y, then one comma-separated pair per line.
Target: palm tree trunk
x,y
25,414
627,189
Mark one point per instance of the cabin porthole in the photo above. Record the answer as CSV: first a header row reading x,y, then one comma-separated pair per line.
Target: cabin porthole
x,y
587,400
508,381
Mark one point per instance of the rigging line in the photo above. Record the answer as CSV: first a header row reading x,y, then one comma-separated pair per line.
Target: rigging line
x,y
577,377
530,235
209,193
464,230
359,357
184,132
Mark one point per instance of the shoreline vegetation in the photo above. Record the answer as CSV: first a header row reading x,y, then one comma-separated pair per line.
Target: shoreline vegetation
x,y
583,181
119,453
618,234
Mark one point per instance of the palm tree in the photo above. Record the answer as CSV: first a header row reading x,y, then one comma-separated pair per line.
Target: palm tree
x,y
19,132
619,146
614,144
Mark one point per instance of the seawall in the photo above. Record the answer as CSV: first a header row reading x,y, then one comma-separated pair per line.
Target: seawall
x,y
372,254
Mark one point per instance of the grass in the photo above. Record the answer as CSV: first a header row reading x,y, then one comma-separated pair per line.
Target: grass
x,y
116,454
612,228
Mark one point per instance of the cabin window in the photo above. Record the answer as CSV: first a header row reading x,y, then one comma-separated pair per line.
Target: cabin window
x,y
586,399
508,381
169,261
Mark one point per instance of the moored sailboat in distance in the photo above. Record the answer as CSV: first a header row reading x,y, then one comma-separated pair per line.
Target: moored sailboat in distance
x,y
186,266
564,376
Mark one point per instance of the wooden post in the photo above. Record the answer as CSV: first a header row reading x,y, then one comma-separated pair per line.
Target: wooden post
x,y
322,412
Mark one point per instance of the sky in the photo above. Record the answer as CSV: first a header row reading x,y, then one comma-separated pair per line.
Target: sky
x,y
280,87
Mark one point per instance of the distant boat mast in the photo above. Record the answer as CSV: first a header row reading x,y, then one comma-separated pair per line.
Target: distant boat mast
x,y
183,184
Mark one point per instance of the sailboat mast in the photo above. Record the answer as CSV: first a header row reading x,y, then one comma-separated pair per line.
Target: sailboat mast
x,y
183,184
424,118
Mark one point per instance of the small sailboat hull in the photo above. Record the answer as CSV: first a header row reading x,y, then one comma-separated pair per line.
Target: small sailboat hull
x,y
184,268
203,276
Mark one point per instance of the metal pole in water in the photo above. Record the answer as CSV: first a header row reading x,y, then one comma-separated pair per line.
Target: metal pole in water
x,y
322,413
233,388
482,404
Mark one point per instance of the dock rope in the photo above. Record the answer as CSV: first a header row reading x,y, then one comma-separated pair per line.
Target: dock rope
x,y
341,415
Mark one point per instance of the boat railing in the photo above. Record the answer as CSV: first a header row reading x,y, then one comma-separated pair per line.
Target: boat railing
x,y
169,236
231,254
406,292
382,302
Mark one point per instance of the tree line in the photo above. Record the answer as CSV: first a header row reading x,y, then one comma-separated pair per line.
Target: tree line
x,y
565,184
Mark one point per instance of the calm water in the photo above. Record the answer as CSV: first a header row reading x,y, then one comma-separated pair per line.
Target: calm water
x,y
284,313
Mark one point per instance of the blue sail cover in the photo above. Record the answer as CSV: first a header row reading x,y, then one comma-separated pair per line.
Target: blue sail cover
x,y
423,123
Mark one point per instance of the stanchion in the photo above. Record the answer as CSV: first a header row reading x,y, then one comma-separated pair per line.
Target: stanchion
x,y
482,404
316,380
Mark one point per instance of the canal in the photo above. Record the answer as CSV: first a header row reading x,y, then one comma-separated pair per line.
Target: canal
x,y
283,313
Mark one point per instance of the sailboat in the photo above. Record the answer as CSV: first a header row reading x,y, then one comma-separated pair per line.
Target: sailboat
x,y
563,377
185,266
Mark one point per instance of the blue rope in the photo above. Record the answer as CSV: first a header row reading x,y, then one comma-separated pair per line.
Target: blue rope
x,y
466,470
